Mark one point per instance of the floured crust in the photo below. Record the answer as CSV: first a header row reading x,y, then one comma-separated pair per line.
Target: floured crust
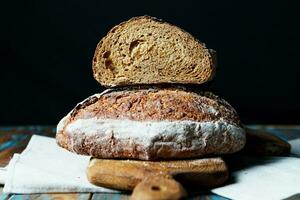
x,y
149,124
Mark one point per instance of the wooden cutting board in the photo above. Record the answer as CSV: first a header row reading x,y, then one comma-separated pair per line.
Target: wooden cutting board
x,y
265,144
157,179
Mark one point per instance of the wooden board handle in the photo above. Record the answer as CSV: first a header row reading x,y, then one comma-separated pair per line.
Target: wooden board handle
x,y
158,188
260,142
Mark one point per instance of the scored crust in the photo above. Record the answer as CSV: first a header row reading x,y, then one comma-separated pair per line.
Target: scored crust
x,y
146,50
151,123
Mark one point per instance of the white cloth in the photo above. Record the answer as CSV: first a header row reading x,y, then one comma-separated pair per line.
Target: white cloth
x,y
3,172
267,178
295,147
44,167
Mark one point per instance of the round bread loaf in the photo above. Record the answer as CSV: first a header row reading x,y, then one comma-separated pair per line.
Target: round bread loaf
x,y
151,123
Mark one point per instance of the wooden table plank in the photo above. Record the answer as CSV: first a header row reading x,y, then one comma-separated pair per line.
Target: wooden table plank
x,y
287,132
4,196
59,196
110,196
198,196
15,139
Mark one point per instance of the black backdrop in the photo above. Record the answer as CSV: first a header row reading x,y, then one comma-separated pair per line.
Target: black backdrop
x,y
47,48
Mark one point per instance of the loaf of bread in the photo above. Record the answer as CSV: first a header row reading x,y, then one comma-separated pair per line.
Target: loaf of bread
x,y
151,123
145,50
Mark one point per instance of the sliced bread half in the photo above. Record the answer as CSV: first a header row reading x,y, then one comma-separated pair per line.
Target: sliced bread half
x,y
145,50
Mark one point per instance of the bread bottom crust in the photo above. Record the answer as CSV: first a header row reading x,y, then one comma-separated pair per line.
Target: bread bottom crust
x,y
149,140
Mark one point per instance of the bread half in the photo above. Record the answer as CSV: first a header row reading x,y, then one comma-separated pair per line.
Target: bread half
x,y
151,124
145,50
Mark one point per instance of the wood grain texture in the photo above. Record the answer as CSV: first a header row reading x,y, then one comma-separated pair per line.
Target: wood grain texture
x,y
14,139
110,196
143,176
5,196
61,196
126,174
265,144
286,132
196,196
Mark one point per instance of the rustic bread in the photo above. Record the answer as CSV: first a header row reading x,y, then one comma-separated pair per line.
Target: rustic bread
x,y
145,50
151,123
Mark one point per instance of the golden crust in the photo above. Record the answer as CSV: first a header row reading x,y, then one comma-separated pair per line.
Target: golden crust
x,y
155,104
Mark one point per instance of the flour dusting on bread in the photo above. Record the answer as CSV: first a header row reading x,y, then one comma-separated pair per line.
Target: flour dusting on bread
x,y
203,138
115,130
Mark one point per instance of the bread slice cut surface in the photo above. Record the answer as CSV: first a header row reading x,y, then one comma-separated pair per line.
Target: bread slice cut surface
x,y
145,50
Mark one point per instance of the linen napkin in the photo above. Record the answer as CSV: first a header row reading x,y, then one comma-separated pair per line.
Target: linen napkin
x,y
268,178
43,167
295,150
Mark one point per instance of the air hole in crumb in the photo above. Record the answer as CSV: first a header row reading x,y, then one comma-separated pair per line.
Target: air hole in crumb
x,y
106,54
108,63
113,30
133,44
155,188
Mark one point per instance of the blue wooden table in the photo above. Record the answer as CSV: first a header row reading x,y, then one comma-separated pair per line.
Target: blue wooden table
x,y
14,140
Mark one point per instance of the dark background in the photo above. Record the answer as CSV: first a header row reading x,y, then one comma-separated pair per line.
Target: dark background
x,y
47,48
